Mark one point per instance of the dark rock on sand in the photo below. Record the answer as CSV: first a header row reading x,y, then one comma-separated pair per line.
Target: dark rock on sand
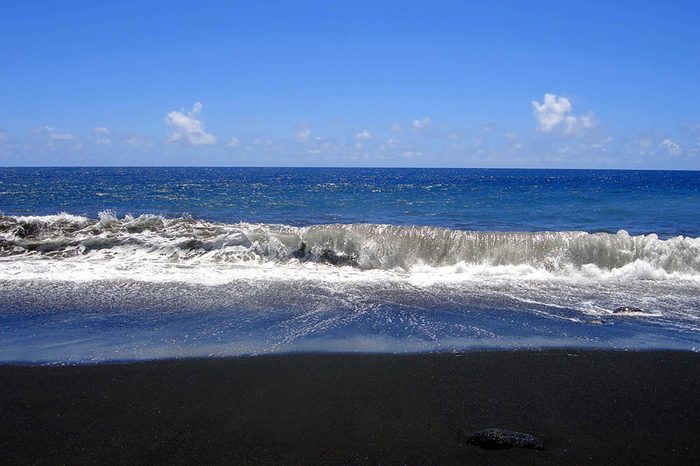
x,y
500,439
624,309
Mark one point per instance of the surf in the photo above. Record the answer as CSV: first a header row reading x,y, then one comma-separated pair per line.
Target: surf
x,y
160,244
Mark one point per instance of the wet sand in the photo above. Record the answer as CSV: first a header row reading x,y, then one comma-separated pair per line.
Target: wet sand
x,y
587,407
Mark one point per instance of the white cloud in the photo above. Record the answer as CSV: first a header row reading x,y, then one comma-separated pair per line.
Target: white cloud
x,y
363,135
644,143
303,135
187,129
576,124
600,144
410,154
52,135
61,137
396,127
262,142
103,135
671,147
137,140
554,112
233,142
4,142
391,143
421,123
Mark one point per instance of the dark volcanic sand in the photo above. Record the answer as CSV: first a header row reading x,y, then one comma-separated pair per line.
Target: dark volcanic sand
x,y
586,406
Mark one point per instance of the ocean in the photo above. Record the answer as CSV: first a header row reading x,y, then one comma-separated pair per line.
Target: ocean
x,y
115,264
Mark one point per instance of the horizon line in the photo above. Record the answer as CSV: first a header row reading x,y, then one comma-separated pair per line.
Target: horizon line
x,y
355,167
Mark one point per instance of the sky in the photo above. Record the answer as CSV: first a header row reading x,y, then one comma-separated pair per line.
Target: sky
x,y
555,84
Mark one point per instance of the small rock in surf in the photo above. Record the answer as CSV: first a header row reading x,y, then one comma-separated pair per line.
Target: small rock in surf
x,y
27,230
301,252
327,256
331,257
500,439
625,309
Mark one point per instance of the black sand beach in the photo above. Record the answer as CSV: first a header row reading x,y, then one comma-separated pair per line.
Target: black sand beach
x,y
588,407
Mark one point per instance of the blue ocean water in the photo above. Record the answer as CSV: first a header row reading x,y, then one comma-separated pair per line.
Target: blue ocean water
x,y
100,264
641,202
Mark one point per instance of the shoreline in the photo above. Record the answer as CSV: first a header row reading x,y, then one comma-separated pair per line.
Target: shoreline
x,y
351,354
587,406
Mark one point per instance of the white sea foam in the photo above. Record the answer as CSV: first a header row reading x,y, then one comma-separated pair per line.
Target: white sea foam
x,y
53,220
154,248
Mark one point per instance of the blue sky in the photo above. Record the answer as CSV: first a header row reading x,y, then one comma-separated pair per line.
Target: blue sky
x,y
379,83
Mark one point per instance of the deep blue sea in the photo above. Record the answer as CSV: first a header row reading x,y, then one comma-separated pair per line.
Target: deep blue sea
x,y
641,202
103,264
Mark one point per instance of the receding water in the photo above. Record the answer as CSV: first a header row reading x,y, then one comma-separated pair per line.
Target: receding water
x,y
100,264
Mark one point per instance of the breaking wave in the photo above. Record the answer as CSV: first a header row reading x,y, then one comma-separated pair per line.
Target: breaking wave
x,y
163,245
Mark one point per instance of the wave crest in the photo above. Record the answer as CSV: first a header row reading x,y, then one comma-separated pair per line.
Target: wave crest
x,y
184,240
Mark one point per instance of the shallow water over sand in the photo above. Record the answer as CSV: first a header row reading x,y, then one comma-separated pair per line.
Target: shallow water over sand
x,y
150,263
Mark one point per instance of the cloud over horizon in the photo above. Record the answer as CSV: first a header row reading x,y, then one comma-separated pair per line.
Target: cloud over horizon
x,y
363,135
303,135
422,123
187,129
378,143
52,135
102,135
554,113
671,147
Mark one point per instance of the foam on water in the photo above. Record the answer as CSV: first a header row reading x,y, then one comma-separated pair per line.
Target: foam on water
x,y
92,321
154,248
73,287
